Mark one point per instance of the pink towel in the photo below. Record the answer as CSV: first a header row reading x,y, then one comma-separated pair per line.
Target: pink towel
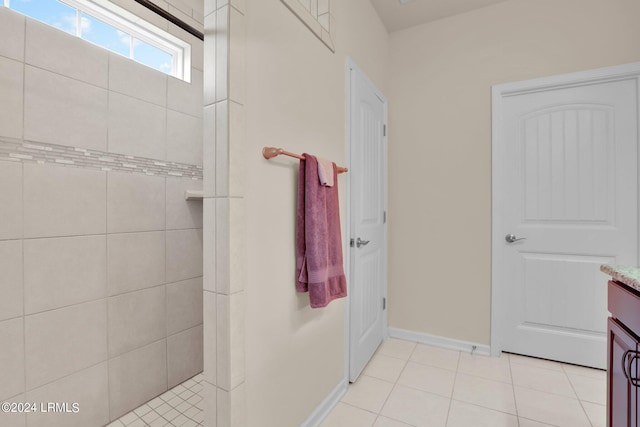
x,y
325,172
319,268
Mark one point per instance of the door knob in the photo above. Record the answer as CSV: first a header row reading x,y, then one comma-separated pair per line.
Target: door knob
x,y
361,242
511,238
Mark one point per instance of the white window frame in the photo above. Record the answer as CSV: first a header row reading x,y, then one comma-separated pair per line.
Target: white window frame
x,y
137,28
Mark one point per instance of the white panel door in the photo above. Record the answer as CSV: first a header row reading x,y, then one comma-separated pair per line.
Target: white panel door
x,y
367,216
570,191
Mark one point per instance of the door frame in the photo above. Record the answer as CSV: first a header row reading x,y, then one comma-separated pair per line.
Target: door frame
x,y
349,66
498,92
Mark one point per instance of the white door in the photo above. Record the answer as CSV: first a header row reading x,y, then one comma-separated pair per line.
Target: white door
x,y
367,219
569,189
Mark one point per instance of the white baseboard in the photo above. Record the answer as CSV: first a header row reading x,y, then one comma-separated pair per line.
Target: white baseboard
x,y
327,405
437,341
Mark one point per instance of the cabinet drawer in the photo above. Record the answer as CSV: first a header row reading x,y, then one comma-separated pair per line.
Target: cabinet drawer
x,y
624,305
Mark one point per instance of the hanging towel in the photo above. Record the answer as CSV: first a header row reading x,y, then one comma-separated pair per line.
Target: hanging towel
x,y
319,268
325,172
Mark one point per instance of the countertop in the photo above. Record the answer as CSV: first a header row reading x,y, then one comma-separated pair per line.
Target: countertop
x,y
628,275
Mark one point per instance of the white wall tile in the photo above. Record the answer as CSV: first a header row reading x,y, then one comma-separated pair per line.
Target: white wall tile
x,y
12,34
64,271
62,201
64,341
11,358
49,48
222,148
137,377
184,138
136,127
209,58
135,261
184,355
11,101
230,341
197,50
209,396
131,78
182,6
237,56
89,388
231,407
135,202
64,111
236,150
240,5
183,213
209,6
323,7
210,309
184,254
11,287
184,305
185,17
209,244
209,151
222,53
136,319
10,200
186,97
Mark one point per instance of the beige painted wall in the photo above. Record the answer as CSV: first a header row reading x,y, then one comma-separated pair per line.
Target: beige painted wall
x,y
295,99
440,142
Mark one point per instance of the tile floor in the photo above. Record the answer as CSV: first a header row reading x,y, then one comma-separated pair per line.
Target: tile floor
x,y
179,407
409,384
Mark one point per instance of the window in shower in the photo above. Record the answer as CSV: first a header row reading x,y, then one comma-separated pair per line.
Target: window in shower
x,y
111,27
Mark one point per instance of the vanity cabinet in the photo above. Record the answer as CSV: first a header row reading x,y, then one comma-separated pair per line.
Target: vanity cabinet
x,y
623,370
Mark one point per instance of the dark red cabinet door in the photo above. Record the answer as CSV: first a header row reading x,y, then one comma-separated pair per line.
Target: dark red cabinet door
x,y
622,393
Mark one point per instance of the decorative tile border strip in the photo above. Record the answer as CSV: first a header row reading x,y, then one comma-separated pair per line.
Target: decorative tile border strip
x,y
43,153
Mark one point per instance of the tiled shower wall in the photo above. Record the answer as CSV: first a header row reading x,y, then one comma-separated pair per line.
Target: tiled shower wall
x,y
100,254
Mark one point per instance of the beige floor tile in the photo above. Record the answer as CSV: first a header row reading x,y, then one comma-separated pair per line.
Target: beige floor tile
x,y
344,415
368,393
388,422
435,356
397,348
542,379
517,359
584,371
416,408
590,389
428,378
530,423
550,408
492,368
385,367
466,415
486,393
597,413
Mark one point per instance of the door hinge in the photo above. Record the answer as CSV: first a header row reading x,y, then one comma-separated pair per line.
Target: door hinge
x,y
352,243
384,217
384,130
384,303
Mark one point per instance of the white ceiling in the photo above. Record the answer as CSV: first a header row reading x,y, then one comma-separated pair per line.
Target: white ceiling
x,y
398,16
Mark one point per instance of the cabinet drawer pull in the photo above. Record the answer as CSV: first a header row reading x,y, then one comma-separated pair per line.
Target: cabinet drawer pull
x,y
627,360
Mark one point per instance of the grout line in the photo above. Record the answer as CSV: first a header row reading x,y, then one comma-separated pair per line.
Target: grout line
x,y
106,242
24,293
453,388
577,397
513,390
